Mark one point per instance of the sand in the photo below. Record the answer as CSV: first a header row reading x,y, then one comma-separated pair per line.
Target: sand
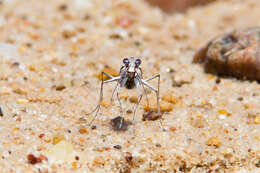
x,y
51,55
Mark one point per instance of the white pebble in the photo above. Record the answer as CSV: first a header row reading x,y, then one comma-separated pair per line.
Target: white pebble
x,y
83,4
42,117
55,70
222,116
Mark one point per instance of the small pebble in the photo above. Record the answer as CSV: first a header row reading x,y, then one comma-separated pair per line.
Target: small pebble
x,y
116,122
129,111
63,7
93,127
213,141
82,120
240,98
164,106
41,135
170,70
158,145
28,45
222,116
32,68
257,119
137,43
258,164
86,17
115,37
224,112
68,34
179,83
172,129
34,160
57,138
128,157
74,165
218,80
60,87
150,116
15,64
123,21
20,91
1,112
117,147
83,130
170,97
22,101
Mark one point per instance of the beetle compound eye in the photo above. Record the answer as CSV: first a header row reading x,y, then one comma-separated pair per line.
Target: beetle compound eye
x,y
126,61
138,62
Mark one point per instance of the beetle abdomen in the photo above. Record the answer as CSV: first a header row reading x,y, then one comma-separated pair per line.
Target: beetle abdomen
x,y
130,83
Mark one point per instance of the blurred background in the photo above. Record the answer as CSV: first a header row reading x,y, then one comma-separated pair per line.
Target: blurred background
x,y
177,5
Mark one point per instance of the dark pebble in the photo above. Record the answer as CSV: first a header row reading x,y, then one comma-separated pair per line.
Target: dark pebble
x,y
129,111
86,17
240,98
41,135
170,70
60,87
117,147
32,159
63,7
16,64
137,43
116,124
28,45
93,127
150,116
218,80
158,145
128,157
115,37
76,157
86,82
179,83
258,164
1,112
